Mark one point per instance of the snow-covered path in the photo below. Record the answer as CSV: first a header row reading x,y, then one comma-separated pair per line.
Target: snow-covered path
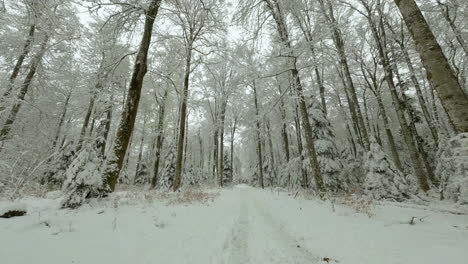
x,y
256,237
243,225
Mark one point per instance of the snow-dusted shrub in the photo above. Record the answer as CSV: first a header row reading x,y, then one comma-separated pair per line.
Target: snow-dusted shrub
x,y
452,168
192,195
83,178
383,179
359,202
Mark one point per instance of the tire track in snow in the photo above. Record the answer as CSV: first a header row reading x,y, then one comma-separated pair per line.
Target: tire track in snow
x,y
278,245
236,245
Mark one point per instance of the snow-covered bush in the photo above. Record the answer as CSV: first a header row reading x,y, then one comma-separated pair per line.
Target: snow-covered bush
x,y
383,179
142,175
325,146
452,168
83,178
167,173
359,202
292,172
227,173
189,176
54,171
353,173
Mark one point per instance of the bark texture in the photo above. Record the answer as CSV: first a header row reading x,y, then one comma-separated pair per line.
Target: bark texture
x,y
453,98
127,120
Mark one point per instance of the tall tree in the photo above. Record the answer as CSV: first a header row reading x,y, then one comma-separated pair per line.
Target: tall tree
x,y
127,119
195,18
439,72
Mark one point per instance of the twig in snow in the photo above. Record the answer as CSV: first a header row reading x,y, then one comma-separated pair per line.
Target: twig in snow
x,y
328,260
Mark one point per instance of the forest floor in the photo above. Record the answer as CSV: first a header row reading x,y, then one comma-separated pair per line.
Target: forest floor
x,y
236,225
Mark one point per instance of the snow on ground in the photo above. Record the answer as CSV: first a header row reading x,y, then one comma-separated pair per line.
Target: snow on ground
x,y
242,225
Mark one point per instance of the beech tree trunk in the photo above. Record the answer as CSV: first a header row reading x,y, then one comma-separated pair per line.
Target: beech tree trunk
x,y
127,120
451,94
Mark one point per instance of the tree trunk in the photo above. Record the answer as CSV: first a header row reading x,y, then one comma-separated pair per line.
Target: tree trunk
x,y
5,131
201,151
308,37
458,34
233,133
159,139
140,151
407,134
19,62
221,144
270,148
183,119
412,125
107,124
186,141
215,150
127,120
354,120
86,120
259,139
61,121
453,98
340,46
372,83
284,132
348,129
422,101
276,12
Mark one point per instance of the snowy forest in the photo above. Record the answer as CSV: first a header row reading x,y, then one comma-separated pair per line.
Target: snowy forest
x,y
329,105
